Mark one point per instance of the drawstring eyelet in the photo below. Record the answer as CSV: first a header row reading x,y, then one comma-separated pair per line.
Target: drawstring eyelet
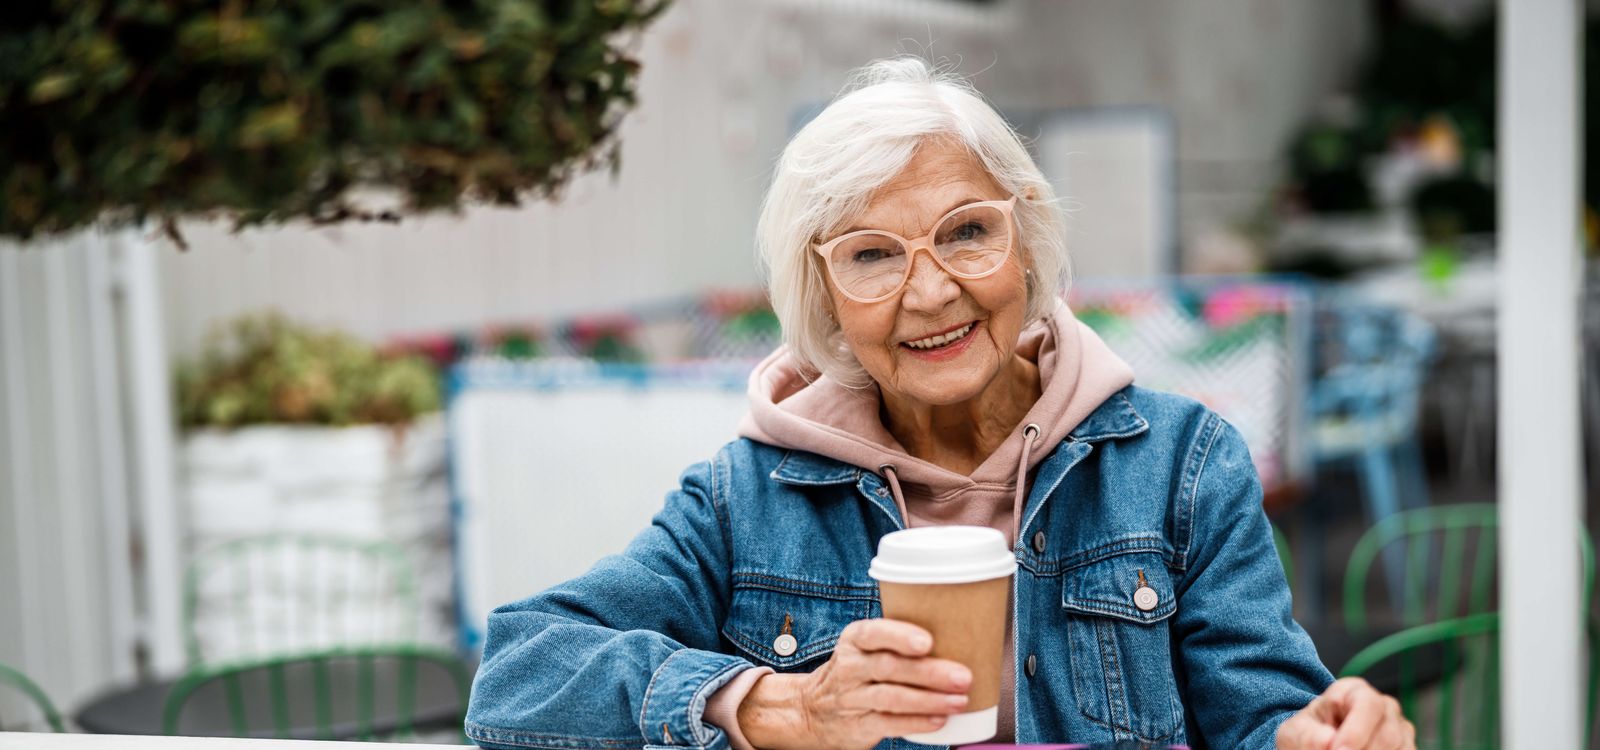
x,y
1031,431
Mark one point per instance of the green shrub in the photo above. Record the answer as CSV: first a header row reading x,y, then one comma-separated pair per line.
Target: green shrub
x,y
264,369
270,110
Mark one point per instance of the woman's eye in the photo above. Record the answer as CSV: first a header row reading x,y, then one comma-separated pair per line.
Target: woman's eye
x,y
969,231
869,255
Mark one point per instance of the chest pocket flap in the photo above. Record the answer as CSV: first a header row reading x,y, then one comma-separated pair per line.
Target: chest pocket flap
x,y
1133,586
815,614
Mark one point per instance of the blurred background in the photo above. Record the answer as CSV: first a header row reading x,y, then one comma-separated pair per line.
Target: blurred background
x,y
259,430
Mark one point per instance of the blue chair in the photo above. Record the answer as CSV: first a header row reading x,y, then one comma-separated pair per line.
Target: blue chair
x,y
1365,404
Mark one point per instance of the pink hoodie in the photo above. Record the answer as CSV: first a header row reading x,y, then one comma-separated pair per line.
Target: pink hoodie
x,y
1077,372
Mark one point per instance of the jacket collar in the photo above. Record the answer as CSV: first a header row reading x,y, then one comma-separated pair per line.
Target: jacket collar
x,y
806,468
1114,419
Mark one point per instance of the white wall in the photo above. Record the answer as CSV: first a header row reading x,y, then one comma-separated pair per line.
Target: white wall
x,y
721,81
1238,76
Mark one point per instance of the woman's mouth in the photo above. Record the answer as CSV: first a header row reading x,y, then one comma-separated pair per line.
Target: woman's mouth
x,y
944,345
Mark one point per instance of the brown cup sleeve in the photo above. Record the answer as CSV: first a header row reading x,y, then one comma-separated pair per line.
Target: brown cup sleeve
x,y
968,623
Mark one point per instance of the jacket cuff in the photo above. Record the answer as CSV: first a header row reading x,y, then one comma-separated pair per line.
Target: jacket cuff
x,y
675,700
723,707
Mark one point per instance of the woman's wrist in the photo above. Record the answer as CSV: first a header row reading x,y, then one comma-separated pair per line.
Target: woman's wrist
x,y
772,716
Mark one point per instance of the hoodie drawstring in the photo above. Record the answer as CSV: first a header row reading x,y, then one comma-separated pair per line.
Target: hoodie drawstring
x,y
1029,434
894,487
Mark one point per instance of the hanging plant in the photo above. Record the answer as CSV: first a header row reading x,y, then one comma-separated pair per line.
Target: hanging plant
x,y
265,111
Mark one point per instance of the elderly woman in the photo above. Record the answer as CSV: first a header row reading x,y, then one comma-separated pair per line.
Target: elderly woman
x,y
931,376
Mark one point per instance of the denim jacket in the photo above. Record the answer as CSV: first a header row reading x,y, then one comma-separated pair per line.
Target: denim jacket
x,y
1149,484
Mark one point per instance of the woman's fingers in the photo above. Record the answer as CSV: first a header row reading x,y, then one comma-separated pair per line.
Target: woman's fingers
x,y
880,682
1306,731
900,699
900,725
933,674
1365,712
887,635
1349,715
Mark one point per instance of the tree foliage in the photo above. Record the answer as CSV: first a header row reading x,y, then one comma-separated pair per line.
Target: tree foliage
x,y
270,110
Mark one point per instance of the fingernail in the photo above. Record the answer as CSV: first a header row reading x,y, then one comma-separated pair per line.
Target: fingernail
x,y
960,677
936,720
922,643
956,701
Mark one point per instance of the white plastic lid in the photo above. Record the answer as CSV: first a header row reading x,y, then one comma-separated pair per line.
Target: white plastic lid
x,y
943,554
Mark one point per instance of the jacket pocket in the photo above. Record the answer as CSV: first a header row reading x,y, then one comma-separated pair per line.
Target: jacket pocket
x,y
814,614
1117,611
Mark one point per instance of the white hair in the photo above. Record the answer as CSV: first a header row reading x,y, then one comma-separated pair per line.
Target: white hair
x,y
860,142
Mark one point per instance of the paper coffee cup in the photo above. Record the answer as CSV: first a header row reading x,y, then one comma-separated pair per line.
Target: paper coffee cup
x,y
955,582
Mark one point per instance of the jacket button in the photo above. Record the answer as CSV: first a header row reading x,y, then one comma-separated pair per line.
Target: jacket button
x,y
1038,542
785,644
1146,598
1031,665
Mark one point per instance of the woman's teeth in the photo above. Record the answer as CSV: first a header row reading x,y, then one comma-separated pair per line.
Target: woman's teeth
x,y
934,342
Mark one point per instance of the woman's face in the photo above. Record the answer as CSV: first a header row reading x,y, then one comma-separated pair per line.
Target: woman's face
x,y
940,177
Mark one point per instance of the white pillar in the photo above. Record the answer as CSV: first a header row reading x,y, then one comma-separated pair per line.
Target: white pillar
x,y
1540,163
154,435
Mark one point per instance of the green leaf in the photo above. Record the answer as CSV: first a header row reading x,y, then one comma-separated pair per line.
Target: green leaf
x,y
53,87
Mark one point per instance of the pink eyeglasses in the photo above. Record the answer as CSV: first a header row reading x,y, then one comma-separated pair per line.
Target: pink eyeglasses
x,y
970,242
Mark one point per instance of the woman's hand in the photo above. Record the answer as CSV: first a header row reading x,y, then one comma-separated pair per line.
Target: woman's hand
x,y
1349,715
880,682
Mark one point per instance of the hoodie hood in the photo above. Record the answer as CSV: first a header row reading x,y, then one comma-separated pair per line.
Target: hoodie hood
x,y
1077,372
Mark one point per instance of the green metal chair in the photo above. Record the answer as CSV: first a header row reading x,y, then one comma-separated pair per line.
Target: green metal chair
x,y
1448,570
273,594
1461,711
364,693
19,682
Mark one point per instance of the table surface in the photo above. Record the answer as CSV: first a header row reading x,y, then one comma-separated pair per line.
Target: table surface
x,y
44,741
138,709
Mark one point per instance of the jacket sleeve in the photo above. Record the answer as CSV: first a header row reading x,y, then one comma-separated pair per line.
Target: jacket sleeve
x,y
624,655
1246,665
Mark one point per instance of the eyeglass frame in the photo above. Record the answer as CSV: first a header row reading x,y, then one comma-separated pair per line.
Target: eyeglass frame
x,y
1006,207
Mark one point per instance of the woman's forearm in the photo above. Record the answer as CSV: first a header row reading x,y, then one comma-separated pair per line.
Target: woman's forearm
x,y
772,715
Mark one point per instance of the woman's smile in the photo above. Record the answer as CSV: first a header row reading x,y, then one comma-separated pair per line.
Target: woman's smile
x,y
943,346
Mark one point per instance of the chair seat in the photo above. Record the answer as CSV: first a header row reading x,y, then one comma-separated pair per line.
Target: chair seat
x,y
1341,437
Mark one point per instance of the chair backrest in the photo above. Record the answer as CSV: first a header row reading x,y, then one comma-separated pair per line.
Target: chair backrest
x,y
1447,677
33,697
282,593
1371,361
365,693
1447,555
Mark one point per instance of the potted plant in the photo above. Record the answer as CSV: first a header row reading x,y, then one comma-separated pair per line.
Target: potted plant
x,y
297,431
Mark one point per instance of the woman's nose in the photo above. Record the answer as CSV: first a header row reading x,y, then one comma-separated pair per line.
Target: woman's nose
x,y
929,289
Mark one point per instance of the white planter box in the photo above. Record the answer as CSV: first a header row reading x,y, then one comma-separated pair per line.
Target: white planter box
x,y
368,483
